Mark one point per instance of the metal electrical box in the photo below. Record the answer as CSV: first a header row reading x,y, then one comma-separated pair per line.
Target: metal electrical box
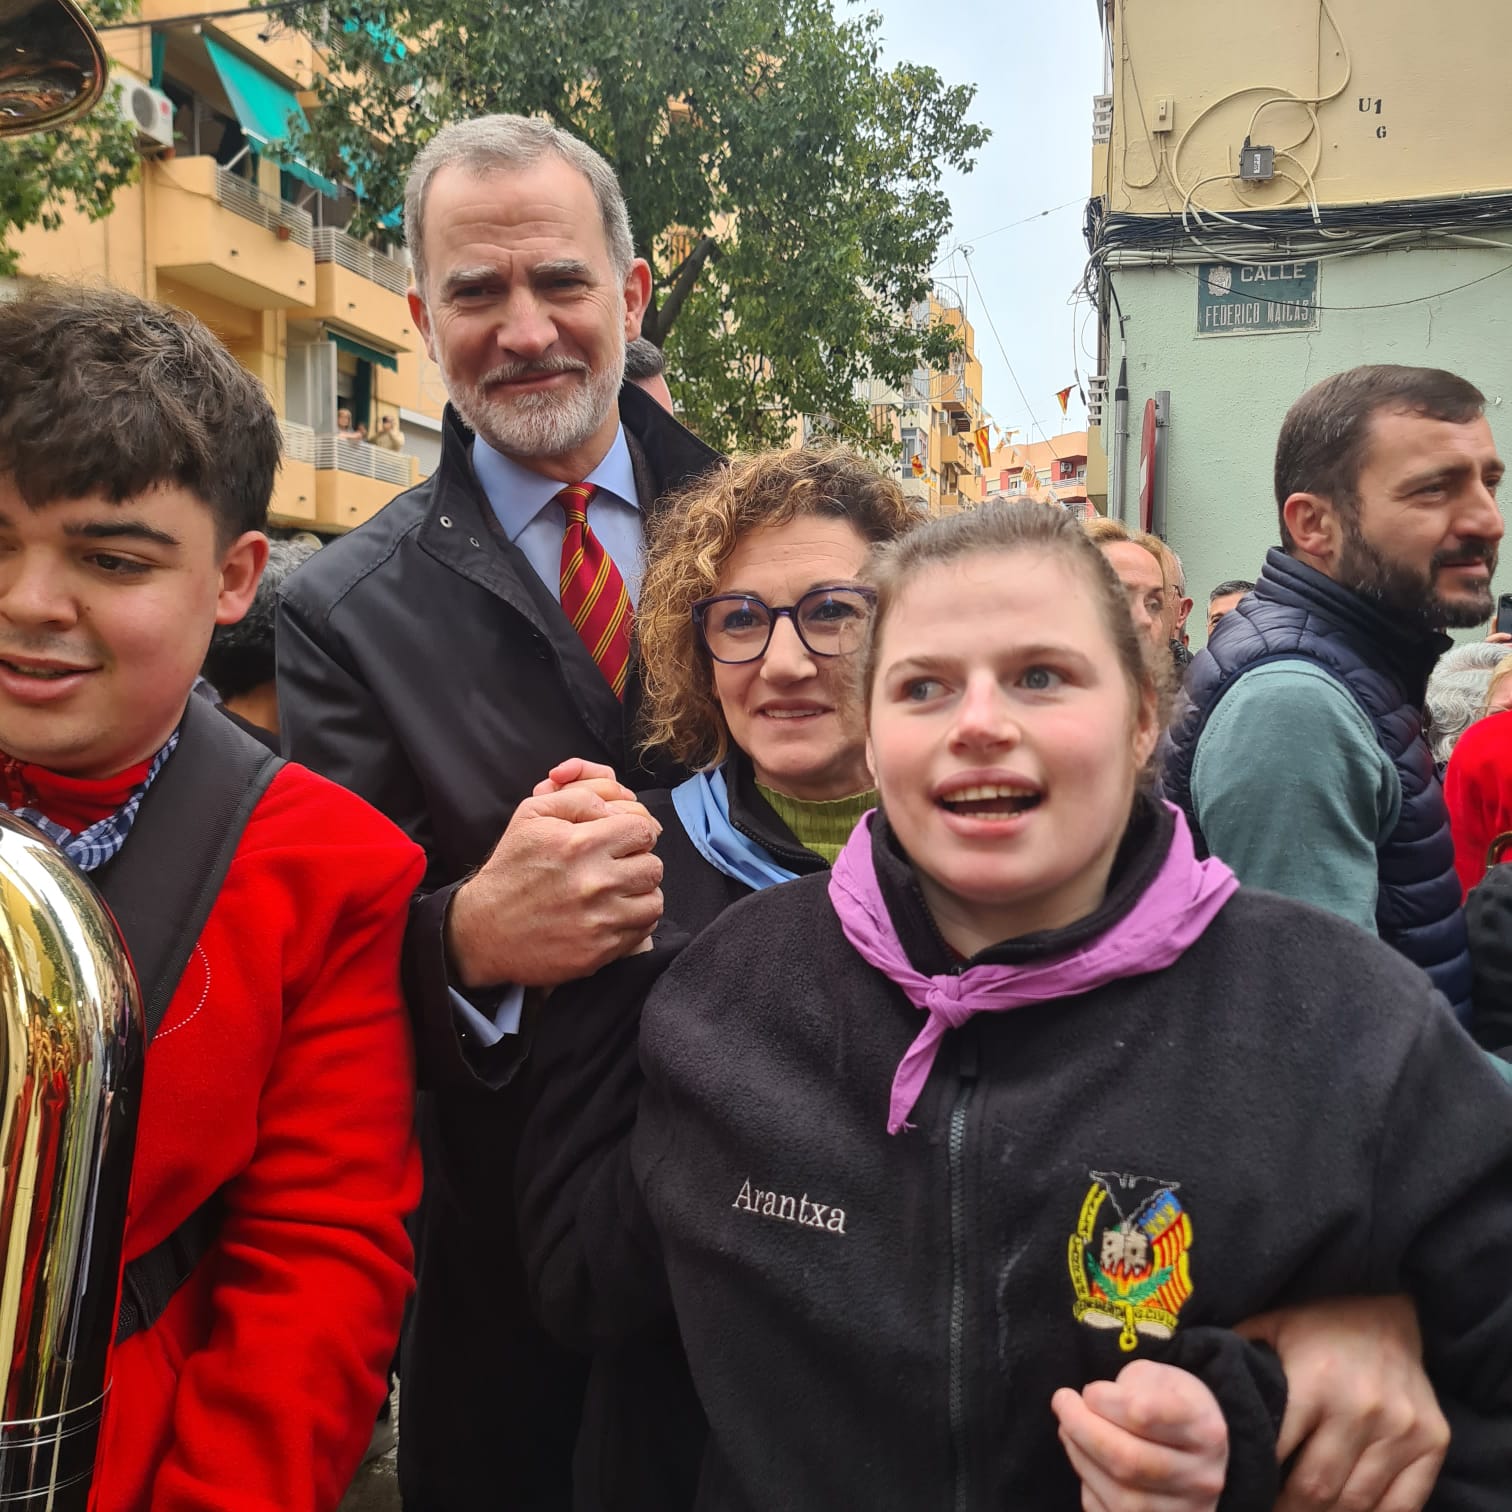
x,y
1257,165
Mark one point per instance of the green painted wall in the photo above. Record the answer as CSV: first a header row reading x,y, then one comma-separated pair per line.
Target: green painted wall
x,y
1229,393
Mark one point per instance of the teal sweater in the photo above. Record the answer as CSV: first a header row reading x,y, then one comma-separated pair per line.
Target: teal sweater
x,y
1292,789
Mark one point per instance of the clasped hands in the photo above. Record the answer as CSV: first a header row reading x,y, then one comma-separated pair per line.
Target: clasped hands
x,y
572,884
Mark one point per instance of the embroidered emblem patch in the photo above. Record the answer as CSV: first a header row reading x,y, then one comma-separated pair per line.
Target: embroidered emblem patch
x,y
1129,1257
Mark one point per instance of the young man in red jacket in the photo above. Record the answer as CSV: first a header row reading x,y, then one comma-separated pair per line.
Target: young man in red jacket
x,y
136,464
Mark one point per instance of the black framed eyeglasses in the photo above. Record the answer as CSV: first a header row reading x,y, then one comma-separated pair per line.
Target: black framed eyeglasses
x,y
737,627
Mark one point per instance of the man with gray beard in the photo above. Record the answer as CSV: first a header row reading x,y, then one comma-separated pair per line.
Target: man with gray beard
x,y
441,660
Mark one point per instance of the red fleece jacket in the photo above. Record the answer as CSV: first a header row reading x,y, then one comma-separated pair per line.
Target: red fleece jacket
x,y
282,1076
1478,794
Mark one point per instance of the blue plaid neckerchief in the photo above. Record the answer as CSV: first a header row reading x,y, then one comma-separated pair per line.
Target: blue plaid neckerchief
x,y
93,847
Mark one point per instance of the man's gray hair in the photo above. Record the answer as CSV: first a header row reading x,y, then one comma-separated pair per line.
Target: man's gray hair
x,y
1457,692
494,142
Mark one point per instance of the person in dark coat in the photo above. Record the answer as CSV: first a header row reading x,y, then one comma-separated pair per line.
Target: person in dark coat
x,y
734,829
1020,1111
440,660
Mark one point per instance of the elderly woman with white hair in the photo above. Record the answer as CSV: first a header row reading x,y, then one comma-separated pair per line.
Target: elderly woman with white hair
x,y
1457,694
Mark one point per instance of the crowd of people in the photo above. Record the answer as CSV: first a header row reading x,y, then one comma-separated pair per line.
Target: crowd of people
x,y
892,1027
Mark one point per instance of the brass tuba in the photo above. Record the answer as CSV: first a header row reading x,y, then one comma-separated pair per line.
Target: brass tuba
x,y
71,1039
71,1056
52,67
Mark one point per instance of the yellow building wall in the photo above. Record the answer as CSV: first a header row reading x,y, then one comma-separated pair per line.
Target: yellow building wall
x,y
416,386
1410,115
114,250
168,238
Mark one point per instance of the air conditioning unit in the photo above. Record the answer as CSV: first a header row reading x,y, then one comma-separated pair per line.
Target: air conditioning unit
x,y
146,108
1097,399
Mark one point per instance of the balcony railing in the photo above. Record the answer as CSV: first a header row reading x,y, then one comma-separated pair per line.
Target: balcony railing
x,y
361,458
299,441
333,246
327,453
254,204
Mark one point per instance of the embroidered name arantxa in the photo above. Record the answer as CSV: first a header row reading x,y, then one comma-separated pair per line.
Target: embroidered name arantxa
x,y
816,1215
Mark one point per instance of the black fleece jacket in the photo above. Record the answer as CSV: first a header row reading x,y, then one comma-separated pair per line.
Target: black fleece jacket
x,y
642,1436
871,1321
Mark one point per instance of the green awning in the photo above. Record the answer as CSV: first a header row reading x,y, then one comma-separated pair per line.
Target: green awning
x,y
266,110
364,353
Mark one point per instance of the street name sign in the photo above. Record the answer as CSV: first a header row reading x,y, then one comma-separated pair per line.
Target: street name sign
x,y
1235,299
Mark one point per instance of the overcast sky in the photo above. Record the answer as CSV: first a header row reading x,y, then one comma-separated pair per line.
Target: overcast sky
x,y
1036,65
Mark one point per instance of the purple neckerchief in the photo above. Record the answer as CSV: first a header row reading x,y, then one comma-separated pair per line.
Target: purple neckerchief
x,y
1170,915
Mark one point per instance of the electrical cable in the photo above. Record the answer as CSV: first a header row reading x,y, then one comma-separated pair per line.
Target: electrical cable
x,y
1023,221
1315,100
1125,69
163,25
992,326
1390,304
1276,96
1267,235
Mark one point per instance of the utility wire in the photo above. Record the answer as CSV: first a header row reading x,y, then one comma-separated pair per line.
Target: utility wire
x,y
165,23
1390,304
992,326
1023,221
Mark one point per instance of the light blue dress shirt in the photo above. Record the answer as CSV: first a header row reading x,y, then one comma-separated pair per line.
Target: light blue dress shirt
x,y
523,503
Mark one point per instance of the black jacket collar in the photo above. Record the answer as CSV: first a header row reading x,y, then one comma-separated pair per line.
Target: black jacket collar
x,y
1141,854
757,820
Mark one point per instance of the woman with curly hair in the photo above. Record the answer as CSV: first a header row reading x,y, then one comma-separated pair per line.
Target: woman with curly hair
x,y
751,609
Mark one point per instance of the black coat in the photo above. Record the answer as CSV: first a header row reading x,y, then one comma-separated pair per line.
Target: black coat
x,y
643,1431
424,665
872,1320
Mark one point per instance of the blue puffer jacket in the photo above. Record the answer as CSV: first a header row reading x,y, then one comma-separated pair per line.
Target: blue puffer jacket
x,y
1296,612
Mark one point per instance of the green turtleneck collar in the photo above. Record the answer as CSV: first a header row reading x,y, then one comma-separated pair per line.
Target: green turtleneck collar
x,y
821,826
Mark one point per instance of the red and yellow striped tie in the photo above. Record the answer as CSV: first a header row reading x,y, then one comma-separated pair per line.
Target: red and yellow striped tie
x,y
594,597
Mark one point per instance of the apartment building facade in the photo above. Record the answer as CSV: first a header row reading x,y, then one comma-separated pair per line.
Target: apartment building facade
x,y
256,249
1051,470
927,429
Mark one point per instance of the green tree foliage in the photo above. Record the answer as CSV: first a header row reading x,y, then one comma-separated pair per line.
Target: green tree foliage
x,y
82,165
788,202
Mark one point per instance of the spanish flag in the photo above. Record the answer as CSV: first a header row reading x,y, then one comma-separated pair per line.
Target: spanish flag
x,y
983,446
918,464
1063,397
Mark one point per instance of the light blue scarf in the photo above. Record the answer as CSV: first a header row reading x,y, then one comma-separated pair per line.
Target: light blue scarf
x,y
703,805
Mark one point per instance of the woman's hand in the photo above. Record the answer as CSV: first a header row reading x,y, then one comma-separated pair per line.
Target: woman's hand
x,y
1358,1404
1154,1440
591,777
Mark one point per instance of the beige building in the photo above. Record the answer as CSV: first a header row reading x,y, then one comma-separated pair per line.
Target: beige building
x,y
256,250
927,431
1053,469
1280,193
